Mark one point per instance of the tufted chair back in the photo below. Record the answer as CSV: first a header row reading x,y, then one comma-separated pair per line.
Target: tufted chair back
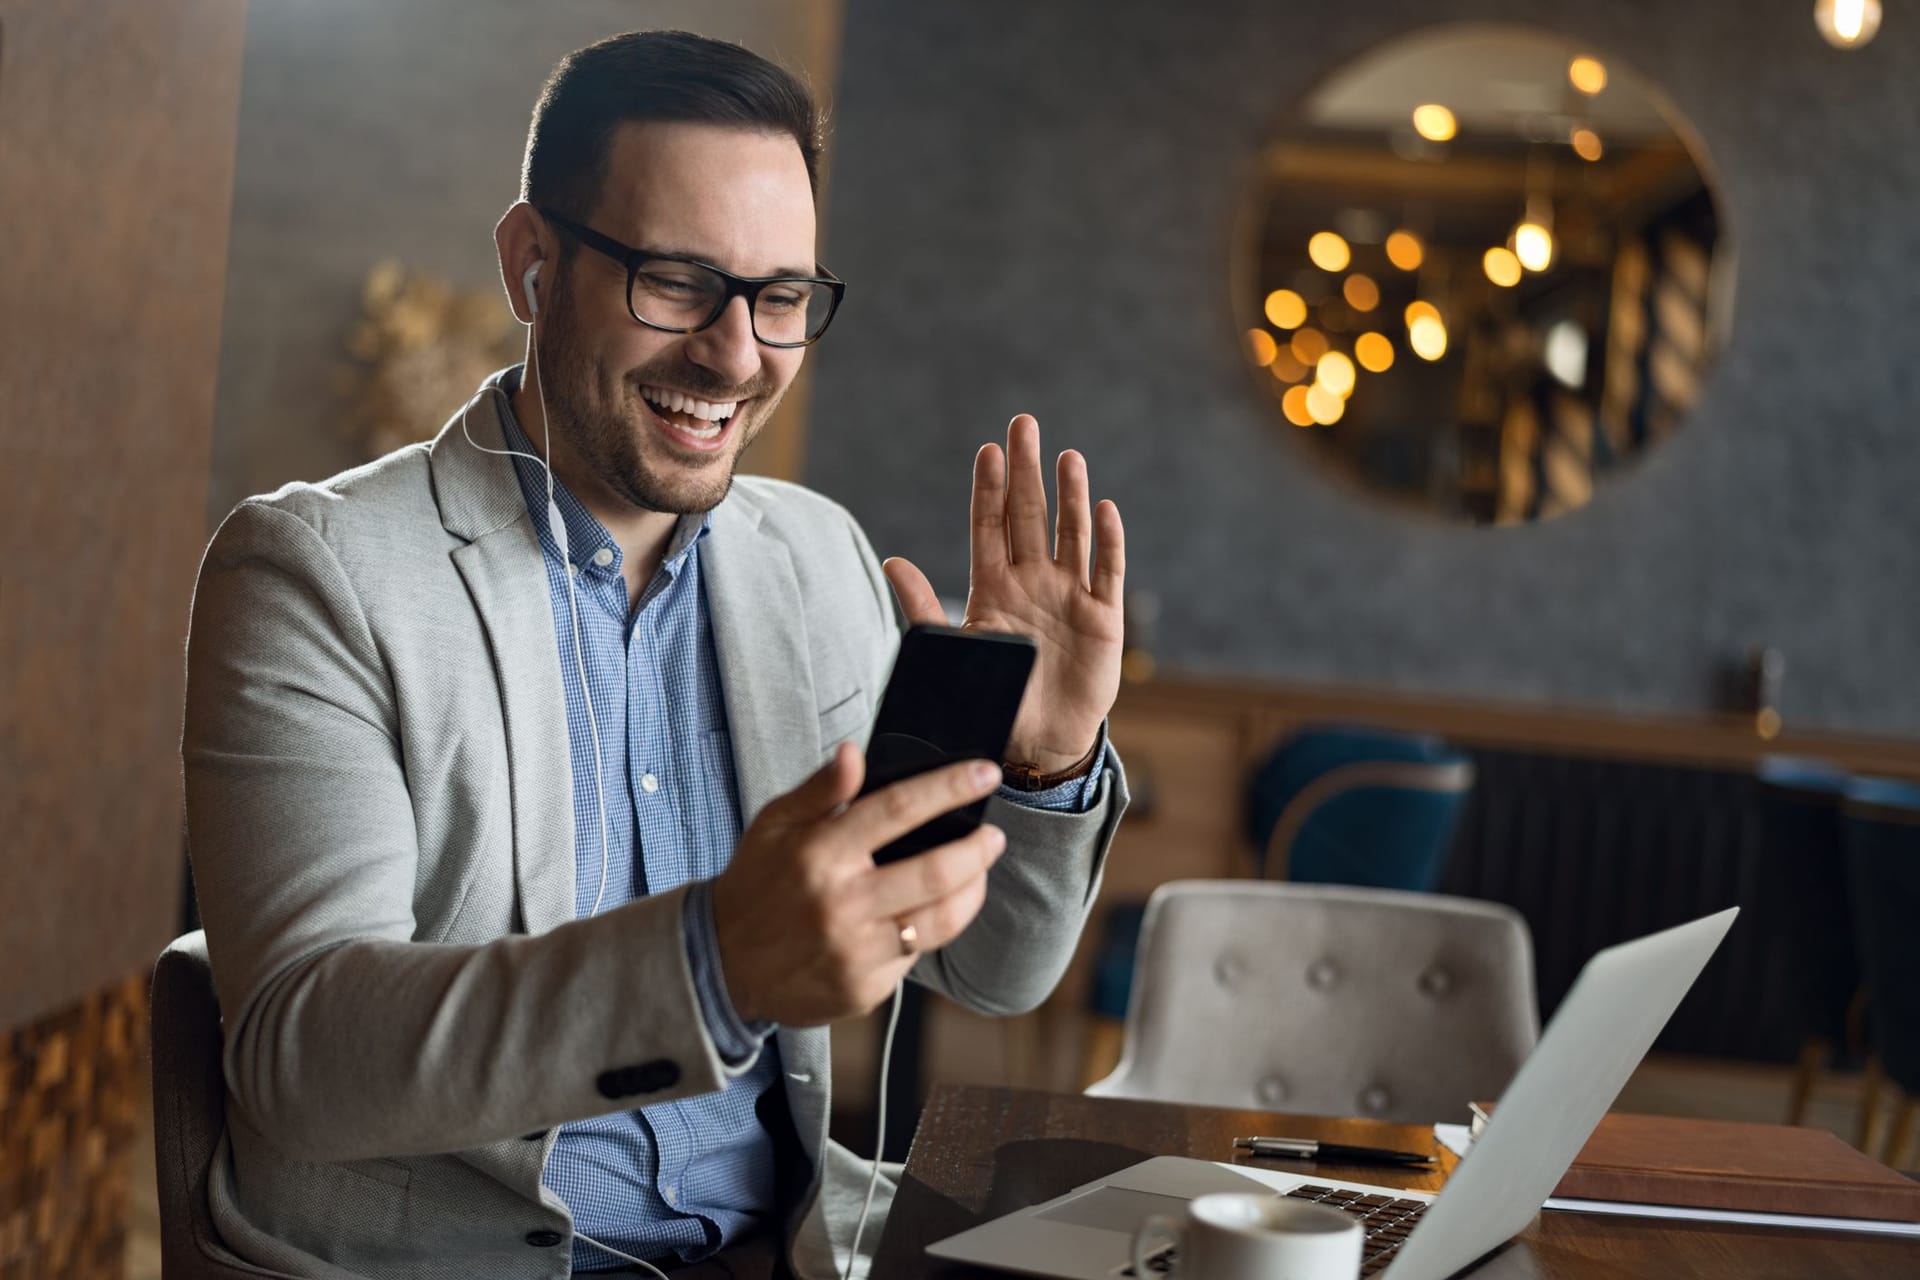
x,y
1326,1000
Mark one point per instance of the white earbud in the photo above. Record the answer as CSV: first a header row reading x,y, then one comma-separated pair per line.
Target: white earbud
x,y
527,291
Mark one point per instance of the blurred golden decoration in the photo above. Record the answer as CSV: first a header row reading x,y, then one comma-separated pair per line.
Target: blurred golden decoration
x,y
1286,309
1766,723
1420,307
1533,245
1335,373
1324,404
1847,24
1374,351
1586,144
1286,366
1502,266
420,348
1405,251
1294,405
1434,122
1308,346
1328,251
1361,293
1427,336
1588,75
1261,347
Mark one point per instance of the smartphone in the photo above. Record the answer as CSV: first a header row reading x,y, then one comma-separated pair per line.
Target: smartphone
x,y
952,696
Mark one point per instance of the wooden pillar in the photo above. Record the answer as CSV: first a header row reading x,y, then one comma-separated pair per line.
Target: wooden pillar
x,y
117,122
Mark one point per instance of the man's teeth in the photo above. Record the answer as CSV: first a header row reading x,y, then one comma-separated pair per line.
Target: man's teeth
x,y
675,402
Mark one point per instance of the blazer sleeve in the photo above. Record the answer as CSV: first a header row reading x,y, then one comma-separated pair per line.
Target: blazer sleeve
x,y
1038,894
344,1037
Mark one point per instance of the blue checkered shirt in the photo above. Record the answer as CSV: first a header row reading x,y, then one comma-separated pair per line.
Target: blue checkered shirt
x,y
689,1176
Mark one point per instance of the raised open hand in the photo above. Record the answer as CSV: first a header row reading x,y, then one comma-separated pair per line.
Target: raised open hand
x,y
1068,601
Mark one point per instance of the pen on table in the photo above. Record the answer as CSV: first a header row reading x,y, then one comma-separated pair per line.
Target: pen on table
x,y
1308,1149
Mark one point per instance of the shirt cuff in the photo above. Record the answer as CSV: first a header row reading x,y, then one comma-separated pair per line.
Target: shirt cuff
x,y
1075,795
737,1041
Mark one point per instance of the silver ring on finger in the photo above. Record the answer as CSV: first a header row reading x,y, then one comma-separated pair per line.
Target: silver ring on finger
x,y
909,938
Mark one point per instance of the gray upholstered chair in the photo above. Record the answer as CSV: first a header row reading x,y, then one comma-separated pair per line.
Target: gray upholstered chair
x,y
189,1111
1326,1000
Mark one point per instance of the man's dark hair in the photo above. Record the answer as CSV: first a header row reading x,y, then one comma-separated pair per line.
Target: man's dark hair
x,y
659,76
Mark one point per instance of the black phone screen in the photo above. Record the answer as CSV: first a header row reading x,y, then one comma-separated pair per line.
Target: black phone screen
x,y
953,696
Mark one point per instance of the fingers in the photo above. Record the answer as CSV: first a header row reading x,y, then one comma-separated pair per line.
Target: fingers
x,y
917,885
1026,491
987,519
1110,573
836,783
1073,526
915,594
892,811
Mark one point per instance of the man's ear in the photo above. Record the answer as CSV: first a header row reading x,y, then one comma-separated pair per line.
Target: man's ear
x,y
522,239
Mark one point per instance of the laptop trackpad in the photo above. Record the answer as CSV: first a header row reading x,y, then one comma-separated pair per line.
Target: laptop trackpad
x,y
1113,1209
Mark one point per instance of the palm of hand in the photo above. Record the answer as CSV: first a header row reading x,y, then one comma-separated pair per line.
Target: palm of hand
x,y
1068,603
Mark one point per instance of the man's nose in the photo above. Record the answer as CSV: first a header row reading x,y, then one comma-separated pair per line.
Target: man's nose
x,y
727,346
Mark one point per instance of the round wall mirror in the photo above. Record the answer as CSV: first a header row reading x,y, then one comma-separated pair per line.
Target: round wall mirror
x,y
1485,270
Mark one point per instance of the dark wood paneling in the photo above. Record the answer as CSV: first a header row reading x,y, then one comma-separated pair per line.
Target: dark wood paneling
x,y
117,126
69,1085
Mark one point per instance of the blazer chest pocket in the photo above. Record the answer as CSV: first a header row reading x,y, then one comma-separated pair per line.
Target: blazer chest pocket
x,y
845,718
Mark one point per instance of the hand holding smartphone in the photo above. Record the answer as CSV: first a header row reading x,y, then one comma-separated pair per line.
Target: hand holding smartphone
x,y
953,695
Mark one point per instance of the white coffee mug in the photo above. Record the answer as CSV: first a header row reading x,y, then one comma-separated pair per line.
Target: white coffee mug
x,y
1241,1235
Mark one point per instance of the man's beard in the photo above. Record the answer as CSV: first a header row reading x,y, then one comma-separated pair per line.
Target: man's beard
x,y
607,437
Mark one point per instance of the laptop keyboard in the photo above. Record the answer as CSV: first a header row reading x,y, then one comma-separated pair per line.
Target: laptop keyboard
x,y
1386,1221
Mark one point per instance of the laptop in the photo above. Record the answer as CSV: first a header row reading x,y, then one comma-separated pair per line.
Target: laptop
x,y
1603,1028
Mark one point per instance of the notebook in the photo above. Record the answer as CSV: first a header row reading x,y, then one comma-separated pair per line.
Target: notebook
x,y
1720,1164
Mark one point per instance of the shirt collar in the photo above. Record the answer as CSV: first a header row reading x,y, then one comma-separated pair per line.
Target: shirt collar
x,y
587,538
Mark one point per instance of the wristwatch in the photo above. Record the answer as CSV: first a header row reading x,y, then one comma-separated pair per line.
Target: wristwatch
x,y
1024,775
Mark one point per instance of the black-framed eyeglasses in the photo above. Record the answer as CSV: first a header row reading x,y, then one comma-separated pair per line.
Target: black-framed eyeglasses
x,y
685,295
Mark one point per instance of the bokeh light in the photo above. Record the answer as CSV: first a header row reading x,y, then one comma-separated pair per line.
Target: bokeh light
x,y
1434,122
1261,347
1324,404
1294,405
1374,351
1335,373
1286,309
1308,346
1588,75
1328,251
1405,251
1361,293
1501,266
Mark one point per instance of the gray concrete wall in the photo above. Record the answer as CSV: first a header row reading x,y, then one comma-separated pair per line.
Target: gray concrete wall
x,y
1034,204
374,129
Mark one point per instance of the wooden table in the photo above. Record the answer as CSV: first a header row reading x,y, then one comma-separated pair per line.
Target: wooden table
x,y
982,1152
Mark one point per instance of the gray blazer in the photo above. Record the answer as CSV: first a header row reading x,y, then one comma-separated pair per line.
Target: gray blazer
x,y
379,814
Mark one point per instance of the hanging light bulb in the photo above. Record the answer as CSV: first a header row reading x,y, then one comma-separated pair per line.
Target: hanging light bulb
x,y
1501,266
1847,24
1434,122
1427,336
1533,245
1588,75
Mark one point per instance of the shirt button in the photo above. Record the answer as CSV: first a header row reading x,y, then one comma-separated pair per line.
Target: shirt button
x,y
543,1239
603,557
649,783
669,1193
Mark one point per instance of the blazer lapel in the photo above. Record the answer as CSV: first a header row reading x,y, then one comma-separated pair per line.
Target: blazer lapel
x,y
503,567
766,671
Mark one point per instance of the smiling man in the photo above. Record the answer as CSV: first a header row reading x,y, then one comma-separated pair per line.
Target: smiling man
x,y
523,803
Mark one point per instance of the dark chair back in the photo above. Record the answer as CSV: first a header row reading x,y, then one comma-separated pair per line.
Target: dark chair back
x,y
189,1112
